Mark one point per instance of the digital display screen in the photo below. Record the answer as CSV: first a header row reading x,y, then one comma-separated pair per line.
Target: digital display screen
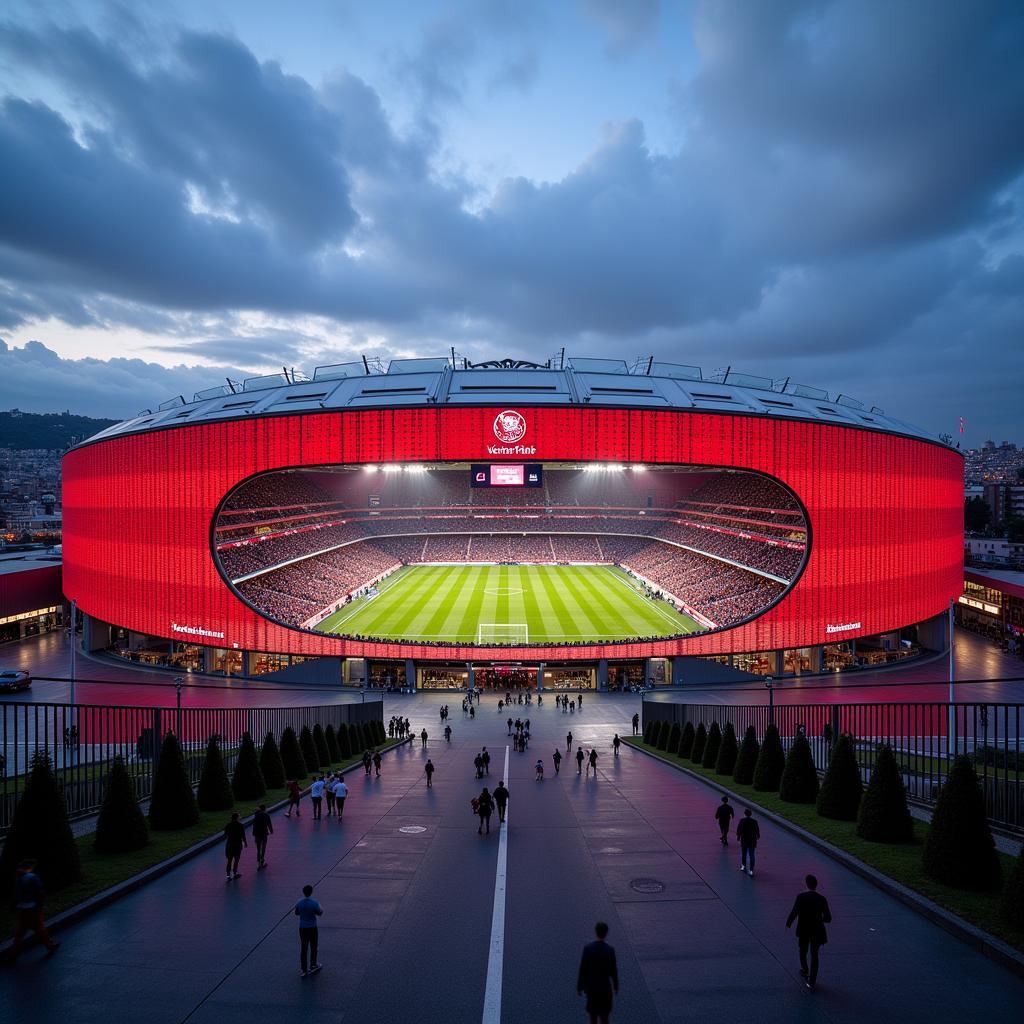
x,y
507,475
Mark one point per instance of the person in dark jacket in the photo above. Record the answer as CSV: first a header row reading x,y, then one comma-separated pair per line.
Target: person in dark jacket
x,y
501,799
579,761
747,833
811,913
28,908
557,758
598,976
723,815
262,827
484,807
428,770
636,724
234,840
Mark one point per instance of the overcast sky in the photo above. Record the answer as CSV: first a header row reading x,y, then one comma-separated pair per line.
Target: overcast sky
x,y
827,191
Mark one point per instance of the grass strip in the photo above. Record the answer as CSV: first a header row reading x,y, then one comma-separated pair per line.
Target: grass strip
x,y
900,862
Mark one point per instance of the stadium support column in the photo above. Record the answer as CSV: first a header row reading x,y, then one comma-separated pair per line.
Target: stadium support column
x,y
678,678
540,676
602,674
469,676
410,675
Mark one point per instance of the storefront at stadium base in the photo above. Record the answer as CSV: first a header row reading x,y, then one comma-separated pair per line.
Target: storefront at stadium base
x,y
613,674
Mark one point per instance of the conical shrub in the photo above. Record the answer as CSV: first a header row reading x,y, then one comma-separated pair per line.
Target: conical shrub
x,y
248,783
746,759
172,804
214,792
686,738
121,825
700,739
344,742
959,850
331,738
663,731
40,830
1011,905
649,731
799,784
291,755
271,765
727,751
379,735
884,816
323,753
841,789
711,746
672,747
771,760
356,738
309,752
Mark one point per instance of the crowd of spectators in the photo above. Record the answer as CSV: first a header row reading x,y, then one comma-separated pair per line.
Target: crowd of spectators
x,y
567,548
757,553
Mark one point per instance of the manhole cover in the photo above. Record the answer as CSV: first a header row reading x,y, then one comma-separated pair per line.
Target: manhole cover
x,y
647,885
411,830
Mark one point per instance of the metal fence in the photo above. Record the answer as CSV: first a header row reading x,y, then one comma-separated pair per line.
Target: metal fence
x,y
924,736
83,739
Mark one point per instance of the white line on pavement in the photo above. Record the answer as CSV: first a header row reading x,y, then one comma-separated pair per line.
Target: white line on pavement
x,y
496,956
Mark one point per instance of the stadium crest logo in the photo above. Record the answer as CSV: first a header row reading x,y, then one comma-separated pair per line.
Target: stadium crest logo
x,y
509,426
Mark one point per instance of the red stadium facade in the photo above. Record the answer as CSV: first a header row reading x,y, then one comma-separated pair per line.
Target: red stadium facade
x,y
884,515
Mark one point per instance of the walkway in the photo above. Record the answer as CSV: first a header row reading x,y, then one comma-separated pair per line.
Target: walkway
x,y
408,915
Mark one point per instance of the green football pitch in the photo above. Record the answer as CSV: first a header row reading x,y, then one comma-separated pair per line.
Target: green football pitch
x,y
508,604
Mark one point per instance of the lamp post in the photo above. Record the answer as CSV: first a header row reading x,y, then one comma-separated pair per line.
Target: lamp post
x,y
951,723
770,684
178,683
71,667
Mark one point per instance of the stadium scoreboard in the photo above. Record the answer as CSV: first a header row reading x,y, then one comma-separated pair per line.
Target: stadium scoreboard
x,y
505,474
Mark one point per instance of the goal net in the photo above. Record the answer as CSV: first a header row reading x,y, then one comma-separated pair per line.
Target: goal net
x,y
502,633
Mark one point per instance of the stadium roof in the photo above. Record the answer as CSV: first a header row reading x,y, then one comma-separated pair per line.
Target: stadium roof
x,y
565,380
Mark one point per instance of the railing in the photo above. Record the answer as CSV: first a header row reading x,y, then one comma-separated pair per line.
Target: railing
x,y
924,736
83,739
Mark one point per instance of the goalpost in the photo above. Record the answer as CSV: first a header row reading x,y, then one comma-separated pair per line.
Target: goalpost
x,y
502,633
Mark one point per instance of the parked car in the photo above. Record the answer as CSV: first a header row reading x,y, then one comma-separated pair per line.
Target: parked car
x,y
12,679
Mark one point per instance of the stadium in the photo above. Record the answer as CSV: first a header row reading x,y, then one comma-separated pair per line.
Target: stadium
x,y
578,523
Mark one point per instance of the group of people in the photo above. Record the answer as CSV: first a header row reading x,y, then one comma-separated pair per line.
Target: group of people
x,y
483,806
567,703
399,728
521,736
331,788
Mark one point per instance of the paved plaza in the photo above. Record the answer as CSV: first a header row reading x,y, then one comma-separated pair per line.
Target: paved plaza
x,y
408,914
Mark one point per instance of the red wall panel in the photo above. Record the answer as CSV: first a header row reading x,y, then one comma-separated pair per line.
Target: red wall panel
x,y
885,514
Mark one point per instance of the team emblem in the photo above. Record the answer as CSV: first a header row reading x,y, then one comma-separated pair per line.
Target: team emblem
x,y
509,426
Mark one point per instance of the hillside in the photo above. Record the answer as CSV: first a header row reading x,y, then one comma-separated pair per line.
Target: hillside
x,y
46,430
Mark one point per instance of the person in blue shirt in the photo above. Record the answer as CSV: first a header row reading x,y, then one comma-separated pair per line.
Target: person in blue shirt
x,y
307,910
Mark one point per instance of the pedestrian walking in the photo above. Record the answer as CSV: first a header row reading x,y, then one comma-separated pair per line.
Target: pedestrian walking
x,y
329,795
478,764
539,768
486,758
592,762
579,760
557,758
811,913
598,976
568,742
484,807
636,724
509,724
376,762
423,739
316,797
262,828
723,815
294,796
340,793
29,897
307,910
448,734
234,840
579,701
616,743
501,800
747,834
428,770
367,761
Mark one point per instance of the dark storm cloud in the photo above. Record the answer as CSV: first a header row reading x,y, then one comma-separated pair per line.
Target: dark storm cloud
x,y
849,184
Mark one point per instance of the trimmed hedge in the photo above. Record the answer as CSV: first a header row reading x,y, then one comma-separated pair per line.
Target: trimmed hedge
x,y
214,792
1012,904
700,739
728,751
771,762
686,738
884,816
799,784
271,765
959,850
841,789
172,804
356,738
309,751
746,760
323,753
40,830
291,756
711,746
649,731
248,783
121,825
673,739
344,744
663,732
331,738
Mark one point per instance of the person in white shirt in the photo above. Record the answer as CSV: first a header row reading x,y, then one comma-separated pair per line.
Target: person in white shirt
x,y
316,792
340,792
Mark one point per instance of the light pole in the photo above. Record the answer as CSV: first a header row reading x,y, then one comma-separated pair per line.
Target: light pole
x,y
178,682
951,724
71,668
770,683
